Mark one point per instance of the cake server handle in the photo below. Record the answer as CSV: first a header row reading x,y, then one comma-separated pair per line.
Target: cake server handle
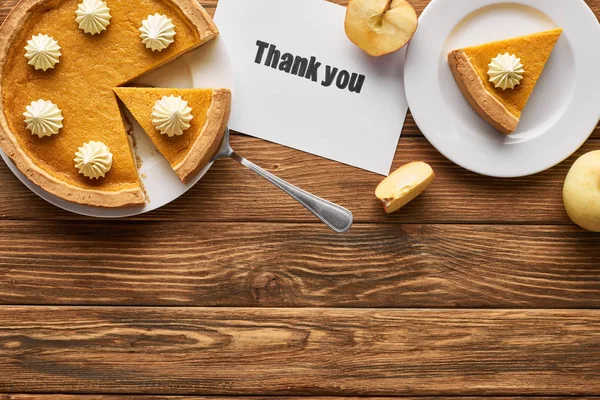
x,y
336,217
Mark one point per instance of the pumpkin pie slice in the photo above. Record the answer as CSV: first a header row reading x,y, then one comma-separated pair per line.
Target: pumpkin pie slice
x,y
500,107
189,149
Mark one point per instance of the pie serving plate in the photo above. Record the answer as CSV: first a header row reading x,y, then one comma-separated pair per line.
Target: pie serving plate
x,y
207,66
562,112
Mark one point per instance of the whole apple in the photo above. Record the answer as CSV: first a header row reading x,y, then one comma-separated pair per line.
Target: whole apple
x,y
581,193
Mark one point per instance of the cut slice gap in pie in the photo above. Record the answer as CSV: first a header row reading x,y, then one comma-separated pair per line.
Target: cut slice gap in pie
x,y
193,150
502,108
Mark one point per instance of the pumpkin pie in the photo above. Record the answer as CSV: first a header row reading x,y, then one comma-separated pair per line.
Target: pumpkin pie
x,y
500,107
96,55
193,148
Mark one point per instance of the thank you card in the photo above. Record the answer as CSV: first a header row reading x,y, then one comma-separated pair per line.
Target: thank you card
x,y
299,82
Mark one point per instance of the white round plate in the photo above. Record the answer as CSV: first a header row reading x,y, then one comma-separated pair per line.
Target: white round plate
x,y
207,67
562,112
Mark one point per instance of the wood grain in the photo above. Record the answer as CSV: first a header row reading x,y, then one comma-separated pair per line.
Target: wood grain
x,y
289,265
167,397
234,241
230,192
303,351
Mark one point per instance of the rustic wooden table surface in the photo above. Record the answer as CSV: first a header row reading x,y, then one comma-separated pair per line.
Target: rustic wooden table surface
x,y
480,287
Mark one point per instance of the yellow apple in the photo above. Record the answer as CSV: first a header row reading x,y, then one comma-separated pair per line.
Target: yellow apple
x,y
380,27
404,185
581,193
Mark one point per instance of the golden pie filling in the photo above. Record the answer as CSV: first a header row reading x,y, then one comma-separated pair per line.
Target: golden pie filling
x,y
209,109
81,85
533,50
141,101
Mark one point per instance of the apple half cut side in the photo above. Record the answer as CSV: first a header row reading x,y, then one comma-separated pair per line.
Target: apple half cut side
x,y
404,185
380,27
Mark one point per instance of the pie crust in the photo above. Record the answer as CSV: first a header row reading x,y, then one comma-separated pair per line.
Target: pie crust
x,y
477,94
207,143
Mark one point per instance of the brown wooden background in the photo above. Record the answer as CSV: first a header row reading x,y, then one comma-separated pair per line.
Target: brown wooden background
x,y
481,287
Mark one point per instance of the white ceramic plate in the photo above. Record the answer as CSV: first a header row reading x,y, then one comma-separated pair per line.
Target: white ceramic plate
x,y
562,112
206,67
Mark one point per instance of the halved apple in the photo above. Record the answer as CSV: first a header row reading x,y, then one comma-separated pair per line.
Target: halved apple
x,y
404,185
380,27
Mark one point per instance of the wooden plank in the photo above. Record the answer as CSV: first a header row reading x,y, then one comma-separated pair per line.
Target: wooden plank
x,y
230,192
289,265
159,397
299,351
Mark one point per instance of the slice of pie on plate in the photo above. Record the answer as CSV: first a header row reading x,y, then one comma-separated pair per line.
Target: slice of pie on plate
x,y
522,59
77,52
187,150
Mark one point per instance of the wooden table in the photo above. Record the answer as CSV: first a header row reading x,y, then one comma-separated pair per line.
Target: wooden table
x,y
480,287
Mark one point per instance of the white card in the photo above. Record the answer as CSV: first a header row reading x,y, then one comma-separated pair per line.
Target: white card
x,y
300,82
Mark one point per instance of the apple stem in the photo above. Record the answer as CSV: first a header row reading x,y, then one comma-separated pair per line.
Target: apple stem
x,y
387,6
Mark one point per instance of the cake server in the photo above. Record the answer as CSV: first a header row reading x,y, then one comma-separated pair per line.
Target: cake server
x,y
336,217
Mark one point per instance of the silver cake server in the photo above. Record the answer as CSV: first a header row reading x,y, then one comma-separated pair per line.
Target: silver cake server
x,y
336,217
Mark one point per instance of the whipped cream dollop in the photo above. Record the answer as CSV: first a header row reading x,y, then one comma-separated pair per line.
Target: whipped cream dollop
x,y
93,16
158,32
43,118
506,71
171,116
42,51
93,160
